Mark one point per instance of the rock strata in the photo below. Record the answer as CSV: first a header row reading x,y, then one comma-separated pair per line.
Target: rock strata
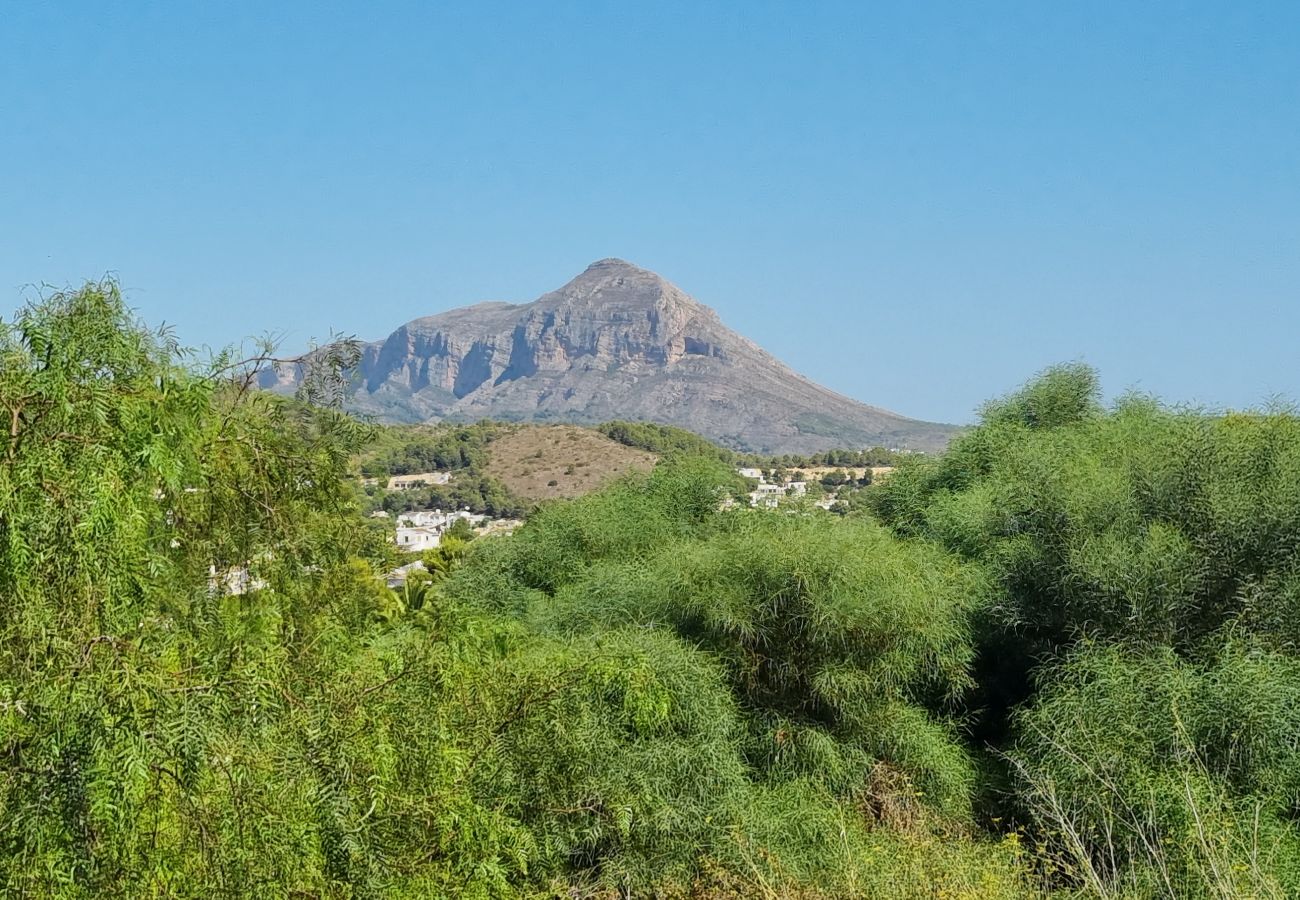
x,y
616,342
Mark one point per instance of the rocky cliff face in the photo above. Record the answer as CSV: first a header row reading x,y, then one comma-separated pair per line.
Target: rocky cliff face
x,y
617,342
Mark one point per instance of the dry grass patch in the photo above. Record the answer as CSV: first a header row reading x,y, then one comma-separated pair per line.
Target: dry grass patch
x,y
542,462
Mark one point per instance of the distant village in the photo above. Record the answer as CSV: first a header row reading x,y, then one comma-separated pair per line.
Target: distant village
x,y
769,494
417,531
824,484
421,530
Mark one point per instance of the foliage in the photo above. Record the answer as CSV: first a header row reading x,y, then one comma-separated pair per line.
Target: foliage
x,y
411,449
671,440
1063,661
1177,779
442,560
461,450
205,688
1142,522
1062,395
838,641
663,439
139,696
1164,542
460,530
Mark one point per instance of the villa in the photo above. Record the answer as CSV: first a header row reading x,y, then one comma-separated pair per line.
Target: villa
x,y
417,540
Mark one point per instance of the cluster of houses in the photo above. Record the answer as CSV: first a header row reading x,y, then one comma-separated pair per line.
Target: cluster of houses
x,y
767,494
423,530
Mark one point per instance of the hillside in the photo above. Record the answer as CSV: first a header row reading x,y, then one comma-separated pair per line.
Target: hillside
x,y
496,468
548,461
502,468
616,342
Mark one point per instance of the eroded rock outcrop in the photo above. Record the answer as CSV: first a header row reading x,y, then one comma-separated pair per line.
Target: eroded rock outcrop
x,y
616,342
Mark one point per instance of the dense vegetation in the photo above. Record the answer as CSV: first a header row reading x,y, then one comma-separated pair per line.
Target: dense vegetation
x,y
875,456
663,439
669,439
1139,666
407,449
414,449
1060,659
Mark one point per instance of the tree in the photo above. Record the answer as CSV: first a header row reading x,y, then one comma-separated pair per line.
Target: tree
x,y
460,530
835,478
139,695
444,559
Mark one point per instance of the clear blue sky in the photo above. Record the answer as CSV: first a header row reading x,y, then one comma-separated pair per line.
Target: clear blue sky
x,y
916,204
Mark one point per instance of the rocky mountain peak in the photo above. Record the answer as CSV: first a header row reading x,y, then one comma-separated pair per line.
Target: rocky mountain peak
x,y
615,266
614,269
615,342
617,282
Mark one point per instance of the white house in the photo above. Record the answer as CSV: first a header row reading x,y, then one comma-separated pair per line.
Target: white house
x,y
417,540
474,519
756,474
768,495
424,518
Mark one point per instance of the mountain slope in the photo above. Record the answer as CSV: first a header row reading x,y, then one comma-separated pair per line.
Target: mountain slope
x,y
616,342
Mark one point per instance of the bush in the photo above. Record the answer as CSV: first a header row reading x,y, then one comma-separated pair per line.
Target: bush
x,y
207,690
1180,778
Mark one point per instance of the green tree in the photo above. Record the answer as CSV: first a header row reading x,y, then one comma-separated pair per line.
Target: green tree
x,y
460,530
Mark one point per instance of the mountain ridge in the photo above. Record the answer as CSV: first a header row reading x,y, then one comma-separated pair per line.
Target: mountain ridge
x,y
615,342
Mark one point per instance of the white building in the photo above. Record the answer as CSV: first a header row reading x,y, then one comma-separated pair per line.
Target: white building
x,y
474,519
423,529
396,578
756,474
424,518
768,495
417,540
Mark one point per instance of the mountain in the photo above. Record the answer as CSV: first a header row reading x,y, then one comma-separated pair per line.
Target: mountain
x,y
616,342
